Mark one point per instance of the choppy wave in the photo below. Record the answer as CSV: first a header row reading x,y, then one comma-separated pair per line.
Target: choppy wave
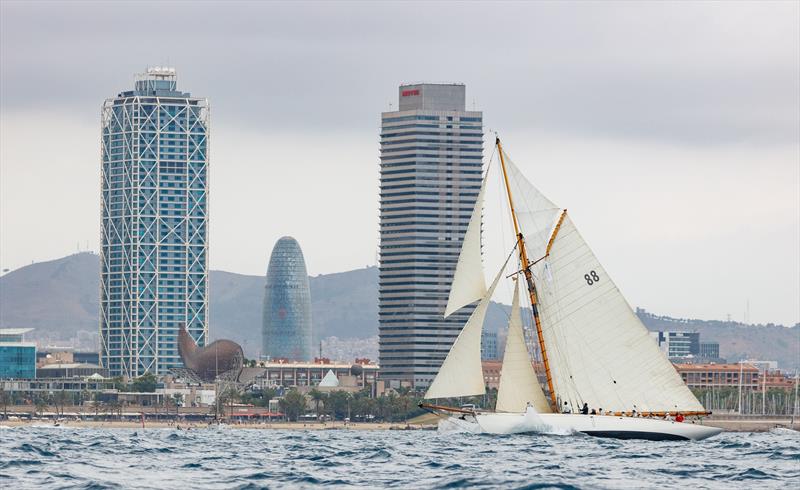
x,y
48,457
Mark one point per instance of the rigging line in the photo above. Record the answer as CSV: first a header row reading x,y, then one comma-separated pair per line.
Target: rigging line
x,y
504,206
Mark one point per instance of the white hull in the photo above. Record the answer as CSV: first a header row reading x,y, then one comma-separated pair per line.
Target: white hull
x,y
593,425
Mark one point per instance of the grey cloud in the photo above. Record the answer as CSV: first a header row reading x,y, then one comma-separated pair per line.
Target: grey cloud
x,y
689,73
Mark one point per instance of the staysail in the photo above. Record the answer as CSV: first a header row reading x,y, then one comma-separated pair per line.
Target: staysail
x,y
518,383
468,283
600,352
461,373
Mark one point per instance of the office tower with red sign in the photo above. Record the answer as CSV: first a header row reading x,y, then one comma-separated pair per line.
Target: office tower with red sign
x,y
431,166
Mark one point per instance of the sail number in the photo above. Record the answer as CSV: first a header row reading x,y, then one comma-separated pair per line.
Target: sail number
x,y
591,278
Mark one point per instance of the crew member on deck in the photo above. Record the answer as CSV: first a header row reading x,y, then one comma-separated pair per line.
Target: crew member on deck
x,y
566,408
585,409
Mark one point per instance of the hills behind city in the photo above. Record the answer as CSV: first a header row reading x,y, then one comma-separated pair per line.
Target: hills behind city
x,y
60,298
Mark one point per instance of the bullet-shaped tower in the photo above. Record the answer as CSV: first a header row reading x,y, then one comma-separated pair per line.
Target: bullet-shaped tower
x,y
286,328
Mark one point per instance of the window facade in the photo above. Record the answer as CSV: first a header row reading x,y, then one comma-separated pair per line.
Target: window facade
x,y
430,180
154,252
17,361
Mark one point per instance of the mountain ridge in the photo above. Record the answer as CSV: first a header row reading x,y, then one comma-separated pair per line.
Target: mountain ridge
x,y
60,299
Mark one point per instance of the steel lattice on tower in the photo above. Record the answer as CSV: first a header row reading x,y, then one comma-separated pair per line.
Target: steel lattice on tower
x,y
154,251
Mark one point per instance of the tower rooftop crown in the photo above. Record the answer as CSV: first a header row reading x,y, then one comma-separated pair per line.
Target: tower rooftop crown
x,y
157,81
432,96
160,73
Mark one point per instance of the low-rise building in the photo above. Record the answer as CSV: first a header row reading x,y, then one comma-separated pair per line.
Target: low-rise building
x,y
289,374
70,370
719,375
17,357
491,373
776,380
65,355
89,384
678,344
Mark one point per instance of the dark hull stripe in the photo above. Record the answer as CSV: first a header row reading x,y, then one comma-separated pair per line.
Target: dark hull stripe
x,y
634,434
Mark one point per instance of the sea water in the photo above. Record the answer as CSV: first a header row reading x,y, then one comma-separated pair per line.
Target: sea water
x,y
56,457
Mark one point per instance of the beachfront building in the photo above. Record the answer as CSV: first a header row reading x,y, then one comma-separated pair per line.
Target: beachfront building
x,y
17,357
154,250
719,375
286,374
430,177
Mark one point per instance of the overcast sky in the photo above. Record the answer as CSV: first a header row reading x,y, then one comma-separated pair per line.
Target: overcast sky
x,y
671,131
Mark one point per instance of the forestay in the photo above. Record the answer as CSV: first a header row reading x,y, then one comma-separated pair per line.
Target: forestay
x,y
468,282
600,353
461,373
518,383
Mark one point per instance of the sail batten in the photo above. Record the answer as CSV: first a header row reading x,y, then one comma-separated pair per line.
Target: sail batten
x,y
468,283
519,385
461,373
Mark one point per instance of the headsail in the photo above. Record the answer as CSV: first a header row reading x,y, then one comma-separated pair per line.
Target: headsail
x,y
468,282
536,213
518,383
461,373
600,353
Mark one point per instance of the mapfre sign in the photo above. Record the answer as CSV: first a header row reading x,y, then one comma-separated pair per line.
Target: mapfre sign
x,y
406,93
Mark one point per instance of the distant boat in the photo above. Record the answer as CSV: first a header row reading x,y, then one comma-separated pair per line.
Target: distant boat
x,y
596,353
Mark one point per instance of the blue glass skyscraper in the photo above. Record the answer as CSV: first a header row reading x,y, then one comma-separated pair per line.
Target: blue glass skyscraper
x,y
153,276
286,329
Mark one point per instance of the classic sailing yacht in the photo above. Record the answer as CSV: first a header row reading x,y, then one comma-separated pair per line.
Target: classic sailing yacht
x,y
594,349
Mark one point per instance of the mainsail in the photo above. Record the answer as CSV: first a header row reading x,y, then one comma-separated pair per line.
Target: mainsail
x,y
468,283
518,383
600,353
461,373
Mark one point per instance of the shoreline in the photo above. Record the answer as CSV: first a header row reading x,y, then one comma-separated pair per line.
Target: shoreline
x,y
729,425
124,424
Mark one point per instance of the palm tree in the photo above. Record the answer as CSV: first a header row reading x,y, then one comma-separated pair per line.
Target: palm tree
x,y
115,406
60,400
40,406
96,404
177,399
5,399
268,394
317,397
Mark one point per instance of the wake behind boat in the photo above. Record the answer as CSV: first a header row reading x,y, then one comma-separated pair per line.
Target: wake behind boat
x,y
595,352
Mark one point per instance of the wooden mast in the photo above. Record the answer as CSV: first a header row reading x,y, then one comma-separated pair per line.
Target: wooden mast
x,y
526,270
